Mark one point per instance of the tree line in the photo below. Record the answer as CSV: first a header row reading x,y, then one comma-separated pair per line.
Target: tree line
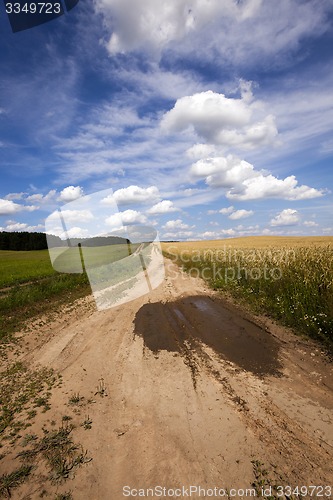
x,y
39,241
23,241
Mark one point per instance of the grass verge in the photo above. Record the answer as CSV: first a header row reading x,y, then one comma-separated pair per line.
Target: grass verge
x,y
22,303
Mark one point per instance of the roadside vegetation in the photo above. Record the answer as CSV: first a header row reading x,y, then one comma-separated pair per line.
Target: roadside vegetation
x,y
293,284
29,286
25,394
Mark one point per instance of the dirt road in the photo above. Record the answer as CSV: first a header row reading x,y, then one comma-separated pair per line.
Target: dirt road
x,y
183,389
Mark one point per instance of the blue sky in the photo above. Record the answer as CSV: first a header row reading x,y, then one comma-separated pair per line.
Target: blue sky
x,y
207,118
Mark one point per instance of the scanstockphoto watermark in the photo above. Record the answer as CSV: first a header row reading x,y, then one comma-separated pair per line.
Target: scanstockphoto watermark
x,y
122,259
228,274
231,274
229,264
195,491
228,254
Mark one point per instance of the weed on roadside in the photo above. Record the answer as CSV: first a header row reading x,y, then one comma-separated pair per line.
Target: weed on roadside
x,y
14,479
64,496
75,399
87,423
28,438
265,486
59,451
66,418
20,388
101,388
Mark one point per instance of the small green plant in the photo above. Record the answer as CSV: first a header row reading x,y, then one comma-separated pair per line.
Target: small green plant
x,y
87,423
38,402
28,438
60,452
75,399
101,388
263,481
21,387
64,496
14,479
66,418
31,414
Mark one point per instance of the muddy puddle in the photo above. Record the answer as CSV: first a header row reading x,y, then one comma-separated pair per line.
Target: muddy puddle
x,y
199,321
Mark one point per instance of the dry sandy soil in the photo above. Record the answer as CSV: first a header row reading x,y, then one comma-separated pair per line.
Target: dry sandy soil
x,y
182,388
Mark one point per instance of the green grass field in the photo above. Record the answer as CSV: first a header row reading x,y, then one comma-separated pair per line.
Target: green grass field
x,y
20,267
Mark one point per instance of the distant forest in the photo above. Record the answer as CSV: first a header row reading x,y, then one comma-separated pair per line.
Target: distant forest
x,y
38,241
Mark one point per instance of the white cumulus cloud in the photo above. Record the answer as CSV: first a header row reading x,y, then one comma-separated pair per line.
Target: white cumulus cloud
x,y
8,207
163,207
215,235
220,120
268,186
17,226
70,216
200,151
75,232
310,223
287,217
136,194
40,198
226,210
240,214
175,224
178,235
14,196
244,182
125,218
71,193
22,226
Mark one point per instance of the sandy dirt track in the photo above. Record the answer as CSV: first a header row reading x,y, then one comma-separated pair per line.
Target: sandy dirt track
x,y
193,389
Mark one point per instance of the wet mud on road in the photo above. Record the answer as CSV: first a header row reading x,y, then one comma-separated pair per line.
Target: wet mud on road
x,y
188,324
